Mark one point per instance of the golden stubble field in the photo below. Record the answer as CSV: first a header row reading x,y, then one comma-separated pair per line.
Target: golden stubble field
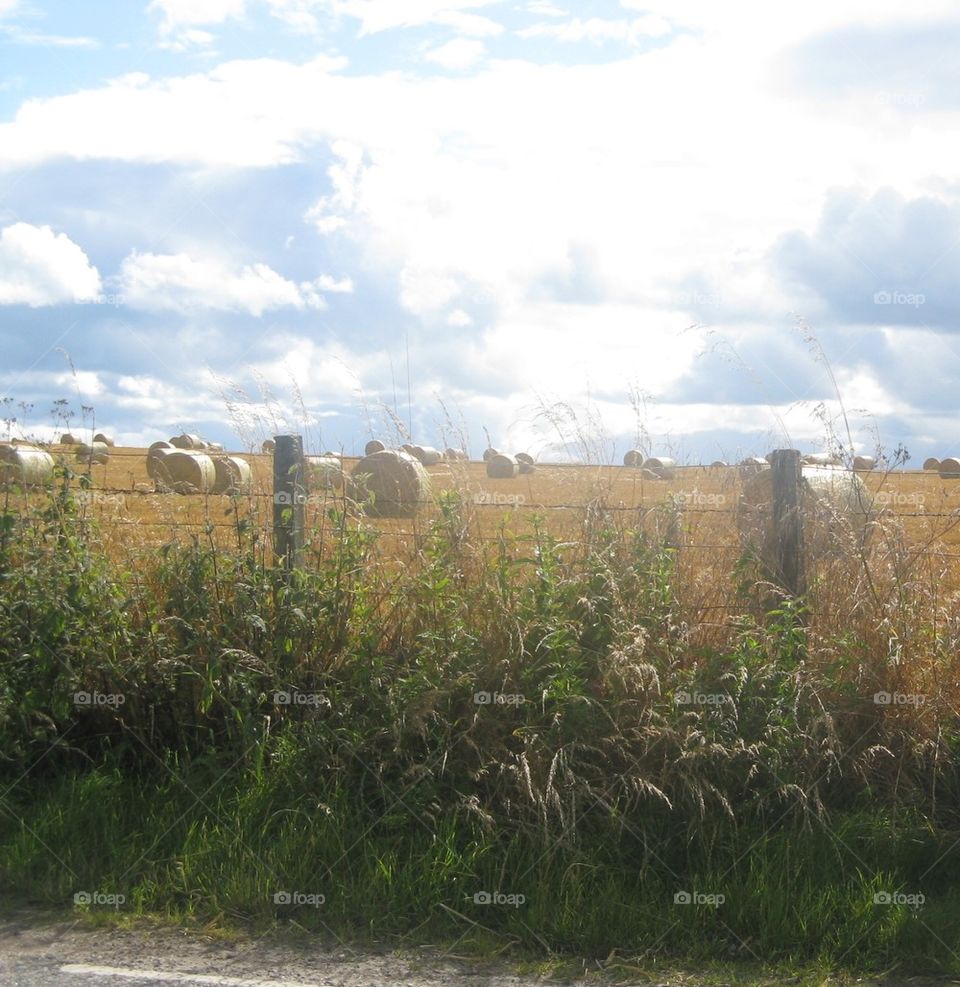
x,y
920,509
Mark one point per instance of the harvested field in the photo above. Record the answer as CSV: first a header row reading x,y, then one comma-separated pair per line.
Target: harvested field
x,y
917,512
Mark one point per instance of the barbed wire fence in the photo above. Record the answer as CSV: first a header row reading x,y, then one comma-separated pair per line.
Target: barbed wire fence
x,y
701,527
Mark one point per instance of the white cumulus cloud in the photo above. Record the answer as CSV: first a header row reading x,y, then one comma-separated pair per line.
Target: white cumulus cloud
x,y
189,13
40,267
598,29
460,53
383,15
181,283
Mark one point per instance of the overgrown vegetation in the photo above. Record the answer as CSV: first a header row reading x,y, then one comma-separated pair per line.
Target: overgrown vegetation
x,y
519,717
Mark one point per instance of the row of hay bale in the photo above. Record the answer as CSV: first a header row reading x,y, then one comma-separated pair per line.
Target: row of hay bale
x,y
390,483
67,439
660,467
949,468
193,442
861,464
95,451
189,471
425,455
651,467
503,466
32,466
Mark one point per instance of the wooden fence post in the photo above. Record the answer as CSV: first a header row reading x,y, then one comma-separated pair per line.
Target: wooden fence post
x,y
289,498
788,561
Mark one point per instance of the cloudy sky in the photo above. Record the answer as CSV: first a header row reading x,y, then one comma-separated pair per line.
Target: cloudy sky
x,y
689,220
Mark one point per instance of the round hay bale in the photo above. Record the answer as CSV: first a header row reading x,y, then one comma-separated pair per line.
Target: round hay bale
x,y
835,505
374,445
502,467
187,441
932,464
427,455
185,471
105,439
864,463
719,462
232,475
268,445
214,447
752,465
661,465
396,481
633,457
99,452
950,468
25,465
452,455
489,453
68,440
152,453
820,459
156,455
525,462
323,472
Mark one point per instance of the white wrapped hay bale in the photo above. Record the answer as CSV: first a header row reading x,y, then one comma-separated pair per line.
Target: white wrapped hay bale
x,y
390,483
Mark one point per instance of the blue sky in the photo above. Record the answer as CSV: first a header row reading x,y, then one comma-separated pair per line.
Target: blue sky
x,y
244,216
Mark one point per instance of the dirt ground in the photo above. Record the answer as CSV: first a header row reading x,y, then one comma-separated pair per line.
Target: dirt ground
x,y
39,949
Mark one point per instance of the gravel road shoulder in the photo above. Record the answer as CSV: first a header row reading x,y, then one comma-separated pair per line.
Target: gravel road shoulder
x,y
38,949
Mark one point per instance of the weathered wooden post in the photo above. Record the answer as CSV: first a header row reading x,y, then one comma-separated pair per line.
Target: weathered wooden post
x,y
289,498
788,561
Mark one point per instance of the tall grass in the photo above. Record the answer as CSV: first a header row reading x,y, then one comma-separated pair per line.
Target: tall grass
x,y
520,715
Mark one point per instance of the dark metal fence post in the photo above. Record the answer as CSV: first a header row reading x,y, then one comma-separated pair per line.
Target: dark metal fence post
x,y
289,498
788,561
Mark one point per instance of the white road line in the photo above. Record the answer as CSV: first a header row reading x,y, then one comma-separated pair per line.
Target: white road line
x,y
177,977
